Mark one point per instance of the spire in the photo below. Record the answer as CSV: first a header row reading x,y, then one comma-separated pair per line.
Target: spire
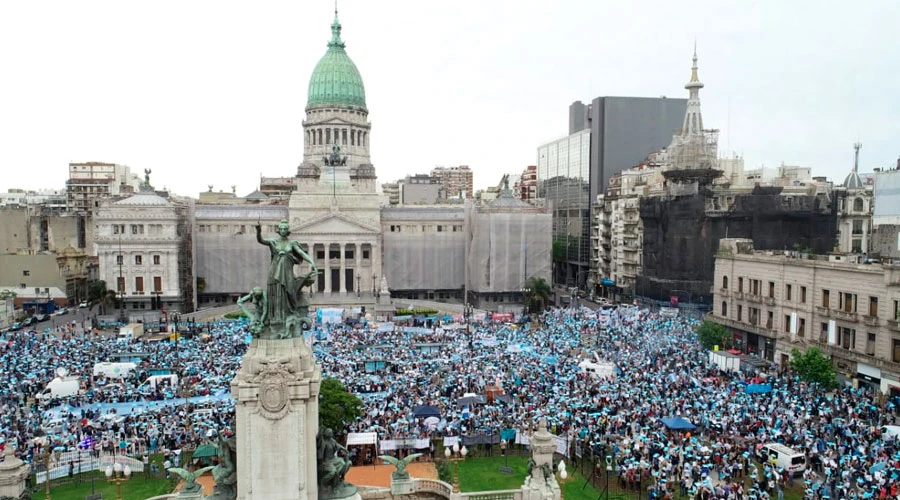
x,y
693,120
856,148
336,41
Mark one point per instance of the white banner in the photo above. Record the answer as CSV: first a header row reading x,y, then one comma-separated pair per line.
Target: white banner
x,y
394,444
360,438
449,441
562,446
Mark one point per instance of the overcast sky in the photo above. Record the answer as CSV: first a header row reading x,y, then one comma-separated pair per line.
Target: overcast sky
x,y
213,92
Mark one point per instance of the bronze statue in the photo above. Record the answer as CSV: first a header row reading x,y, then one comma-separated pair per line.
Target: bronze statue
x,y
259,315
401,473
333,462
287,308
225,473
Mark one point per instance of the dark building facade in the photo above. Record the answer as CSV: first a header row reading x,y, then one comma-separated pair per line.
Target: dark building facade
x,y
624,130
681,236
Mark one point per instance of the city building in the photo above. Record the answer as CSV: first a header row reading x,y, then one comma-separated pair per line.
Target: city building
x,y
455,180
421,189
92,182
145,252
45,201
849,308
525,188
855,204
624,131
886,214
392,191
563,171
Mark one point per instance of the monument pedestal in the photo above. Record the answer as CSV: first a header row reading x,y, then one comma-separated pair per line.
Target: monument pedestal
x,y
541,482
277,419
12,474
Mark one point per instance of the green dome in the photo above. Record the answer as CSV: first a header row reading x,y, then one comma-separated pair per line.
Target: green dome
x,y
336,81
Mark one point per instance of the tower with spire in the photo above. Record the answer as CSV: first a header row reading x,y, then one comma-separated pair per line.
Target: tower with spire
x,y
693,119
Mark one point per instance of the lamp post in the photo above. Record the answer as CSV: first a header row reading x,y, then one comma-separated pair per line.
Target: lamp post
x,y
47,455
118,475
467,314
563,475
460,454
357,286
374,284
526,295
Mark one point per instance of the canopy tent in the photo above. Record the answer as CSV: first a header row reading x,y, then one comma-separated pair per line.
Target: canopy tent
x,y
471,401
426,411
205,451
677,424
367,442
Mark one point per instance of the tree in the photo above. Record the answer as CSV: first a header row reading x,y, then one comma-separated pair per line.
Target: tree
x,y
538,294
814,367
337,407
99,294
711,334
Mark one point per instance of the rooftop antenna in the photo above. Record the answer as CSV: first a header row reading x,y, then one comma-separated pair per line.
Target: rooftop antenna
x,y
856,147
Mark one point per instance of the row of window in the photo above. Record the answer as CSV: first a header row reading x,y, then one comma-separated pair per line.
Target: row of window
x,y
139,284
427,228
137,229
139,260
336,254
319,137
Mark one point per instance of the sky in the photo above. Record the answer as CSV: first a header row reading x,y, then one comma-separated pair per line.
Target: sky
x,y
213,91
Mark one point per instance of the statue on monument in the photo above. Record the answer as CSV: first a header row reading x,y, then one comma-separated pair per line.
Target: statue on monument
x,y
258,316
225,473
333,463
286,303
400,473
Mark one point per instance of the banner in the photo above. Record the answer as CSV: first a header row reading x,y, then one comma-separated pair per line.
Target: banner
x,y
330,315
449,441
397,444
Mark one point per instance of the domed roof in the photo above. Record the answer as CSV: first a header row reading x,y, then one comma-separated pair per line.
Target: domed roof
x,y
853,180
146,197
336,81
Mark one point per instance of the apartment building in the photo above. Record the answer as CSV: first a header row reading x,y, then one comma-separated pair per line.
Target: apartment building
x,y
848,307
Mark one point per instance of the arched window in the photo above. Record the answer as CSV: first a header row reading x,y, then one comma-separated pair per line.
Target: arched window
x,y
725,282
724,309
858,205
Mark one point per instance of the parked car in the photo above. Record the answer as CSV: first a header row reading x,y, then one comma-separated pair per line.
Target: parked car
x,y
82,305
42,317
30,321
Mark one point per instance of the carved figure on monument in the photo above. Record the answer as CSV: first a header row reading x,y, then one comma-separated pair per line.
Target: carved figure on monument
x,y
287,307
384,285
333,462
225,474
401,472
259,315
191,486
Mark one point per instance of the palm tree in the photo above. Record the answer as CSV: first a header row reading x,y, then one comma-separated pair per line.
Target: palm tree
x,y
99,294
538,295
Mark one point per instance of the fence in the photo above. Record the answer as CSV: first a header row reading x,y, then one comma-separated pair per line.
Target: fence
x,y
82,461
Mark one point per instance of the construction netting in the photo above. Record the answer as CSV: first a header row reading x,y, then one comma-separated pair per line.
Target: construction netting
x,y
424,248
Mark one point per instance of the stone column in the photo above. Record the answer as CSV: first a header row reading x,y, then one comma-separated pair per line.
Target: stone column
x,y
342,279
327,268
361,282
277,419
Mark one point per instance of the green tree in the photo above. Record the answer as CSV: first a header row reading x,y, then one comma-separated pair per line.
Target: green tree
x,y
813,366
538,294
337,407
713,334
99,294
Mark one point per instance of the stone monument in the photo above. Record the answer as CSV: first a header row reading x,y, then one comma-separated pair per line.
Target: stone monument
x,y
12,474
276,390
541,483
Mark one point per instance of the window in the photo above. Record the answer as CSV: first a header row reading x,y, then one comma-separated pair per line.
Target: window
x,y
770,320
823,333
873,307
858,205
26,272
348,254
725,282
440,228
826,298
895,350
119,260
897,310
740,284
753,315
334,254
156,260
847,302
139,284
846,338
118,228
740,312
120,284
157,284
137,229
788,292
365,254
801,331
138,260
787,323
772,289
803,295
856,246
755,287
858,226
870,344
320,254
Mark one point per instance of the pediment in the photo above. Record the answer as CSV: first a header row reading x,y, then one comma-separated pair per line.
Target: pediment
x,y
335,223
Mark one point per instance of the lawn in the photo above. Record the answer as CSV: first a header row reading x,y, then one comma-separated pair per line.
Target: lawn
x,y
483,474
137,488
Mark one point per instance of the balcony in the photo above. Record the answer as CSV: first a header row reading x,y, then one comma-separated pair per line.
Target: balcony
x,y
753,298
894,324
857,356
739,295
845,316
870,320
743,326
724,292
823,311
769,301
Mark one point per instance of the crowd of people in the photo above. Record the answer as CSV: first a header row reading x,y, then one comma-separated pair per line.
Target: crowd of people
x,y
490,379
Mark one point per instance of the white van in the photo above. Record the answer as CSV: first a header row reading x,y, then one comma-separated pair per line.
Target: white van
x,y
61,387
780,455
155,380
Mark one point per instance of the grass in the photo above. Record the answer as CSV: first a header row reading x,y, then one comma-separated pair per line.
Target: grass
x,y
137,488
483,474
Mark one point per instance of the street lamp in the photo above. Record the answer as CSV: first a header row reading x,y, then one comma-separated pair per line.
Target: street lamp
x,y
47,456
357,286
563,475
460,455
374,284
467,314
526,295
118,475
